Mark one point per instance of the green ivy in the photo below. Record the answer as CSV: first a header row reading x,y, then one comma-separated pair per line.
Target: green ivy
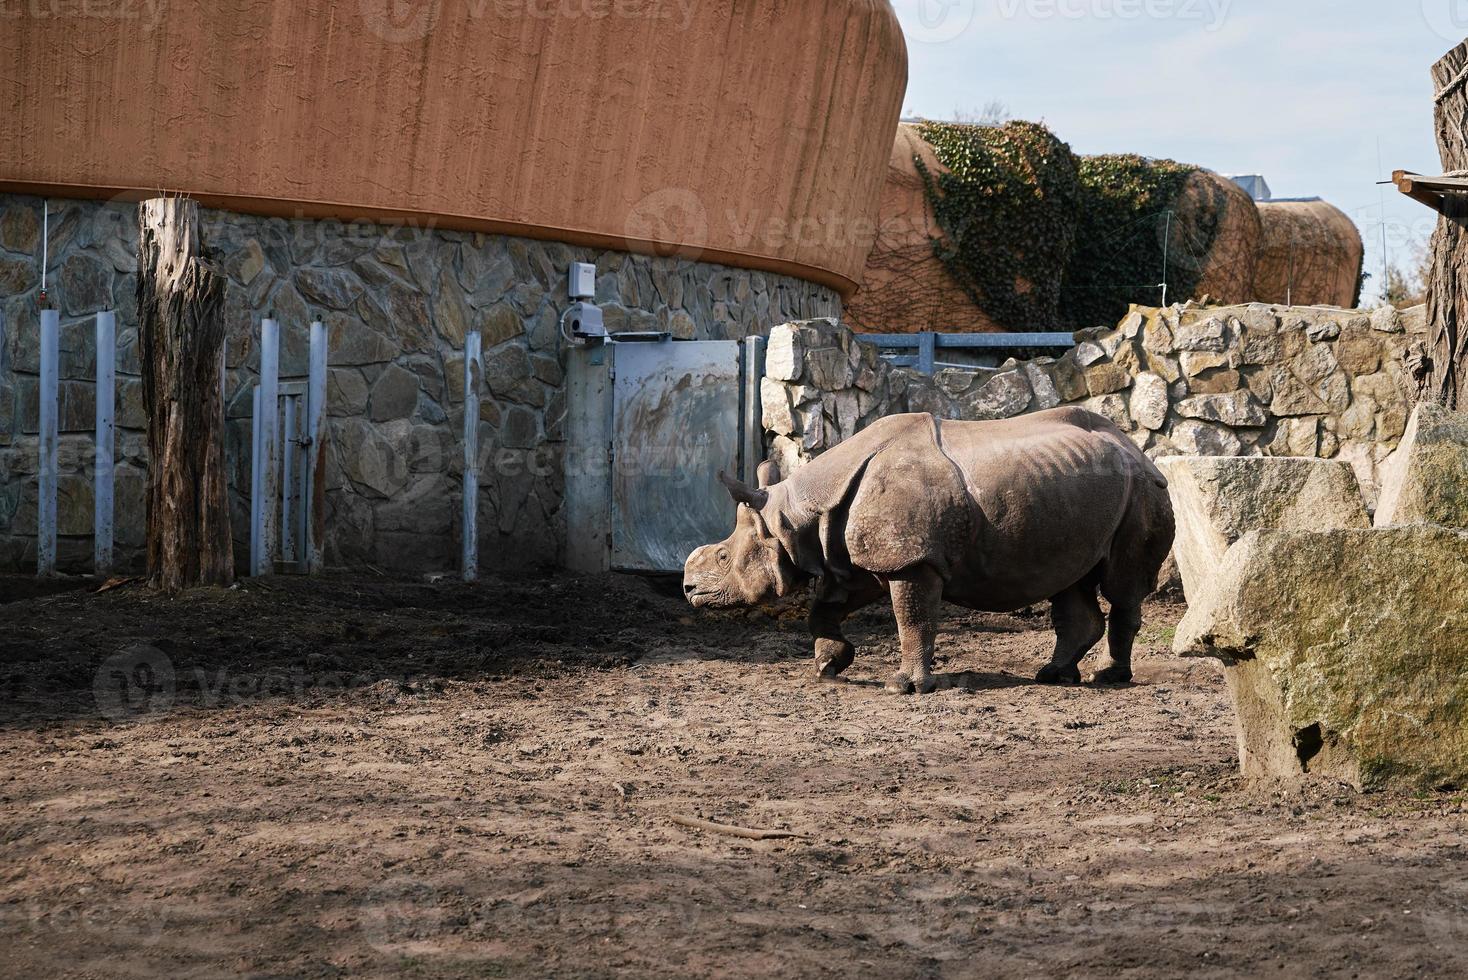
x,y
1125,220
1042,239
1007,209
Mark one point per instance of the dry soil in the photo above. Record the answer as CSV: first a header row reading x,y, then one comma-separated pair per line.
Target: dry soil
x,y
365,777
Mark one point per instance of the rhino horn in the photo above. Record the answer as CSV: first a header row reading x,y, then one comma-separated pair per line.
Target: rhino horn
x,y
769,474
742,493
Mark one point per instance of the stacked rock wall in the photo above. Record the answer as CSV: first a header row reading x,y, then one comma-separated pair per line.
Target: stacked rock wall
x,y
397,301
1196,381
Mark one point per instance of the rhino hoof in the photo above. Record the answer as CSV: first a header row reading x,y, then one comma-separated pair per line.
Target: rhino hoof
x,y
1053,675
1115,674
829,670
903,684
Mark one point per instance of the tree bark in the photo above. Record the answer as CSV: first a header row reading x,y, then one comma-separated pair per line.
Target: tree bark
x,y
181,337
1445,380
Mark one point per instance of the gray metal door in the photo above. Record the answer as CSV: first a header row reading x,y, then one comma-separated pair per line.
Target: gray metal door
x,y
675,425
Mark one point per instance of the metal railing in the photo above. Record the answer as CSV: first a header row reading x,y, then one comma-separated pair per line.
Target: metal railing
x,y
925,346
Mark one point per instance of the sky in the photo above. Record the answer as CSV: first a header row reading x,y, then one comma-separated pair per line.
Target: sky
x,y
1322,97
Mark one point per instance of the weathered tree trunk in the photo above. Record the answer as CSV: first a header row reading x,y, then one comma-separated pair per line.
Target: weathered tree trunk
x,y
1446,380
181,340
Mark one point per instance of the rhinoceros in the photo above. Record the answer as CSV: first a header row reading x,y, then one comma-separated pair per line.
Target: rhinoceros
x,y
993,516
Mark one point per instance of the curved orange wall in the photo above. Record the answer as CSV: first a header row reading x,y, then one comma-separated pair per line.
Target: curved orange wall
x,y
753,132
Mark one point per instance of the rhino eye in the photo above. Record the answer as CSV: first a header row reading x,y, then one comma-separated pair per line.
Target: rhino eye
x,y
723,556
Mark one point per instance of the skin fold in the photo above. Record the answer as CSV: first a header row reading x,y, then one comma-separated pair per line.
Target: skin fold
x,y
993,516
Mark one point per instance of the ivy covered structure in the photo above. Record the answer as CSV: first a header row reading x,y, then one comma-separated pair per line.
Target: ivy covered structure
x,y
999,228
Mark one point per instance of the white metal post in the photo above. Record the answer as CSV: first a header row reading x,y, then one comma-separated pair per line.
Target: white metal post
x,y
46,499
269,419
287,483
473,370
753,449
257,506
316,433
102,471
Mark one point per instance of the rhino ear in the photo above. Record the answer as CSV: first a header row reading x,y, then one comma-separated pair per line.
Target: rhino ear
x,y
769,474
742,493
761,529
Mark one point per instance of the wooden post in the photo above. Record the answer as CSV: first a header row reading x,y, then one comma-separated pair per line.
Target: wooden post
x,y
102,469
180,338
1447,291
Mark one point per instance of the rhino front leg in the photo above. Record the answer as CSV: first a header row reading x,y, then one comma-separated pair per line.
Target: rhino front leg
x,y
835,653
916,599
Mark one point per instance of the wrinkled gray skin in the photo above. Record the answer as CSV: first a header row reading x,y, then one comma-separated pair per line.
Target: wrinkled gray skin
x,y
993,516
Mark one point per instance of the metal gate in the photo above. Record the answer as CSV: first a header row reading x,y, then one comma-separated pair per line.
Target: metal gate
x,y
675,425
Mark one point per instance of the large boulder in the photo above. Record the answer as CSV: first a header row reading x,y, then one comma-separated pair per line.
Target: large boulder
x,y
1346,651
1426,480
1217,500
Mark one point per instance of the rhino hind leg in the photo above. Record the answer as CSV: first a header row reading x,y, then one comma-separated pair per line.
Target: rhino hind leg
x,y
1126,621
1079,626
917,598
1126,597
1130,576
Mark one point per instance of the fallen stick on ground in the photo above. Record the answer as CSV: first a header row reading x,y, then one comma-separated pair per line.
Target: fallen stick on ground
x,y
746,832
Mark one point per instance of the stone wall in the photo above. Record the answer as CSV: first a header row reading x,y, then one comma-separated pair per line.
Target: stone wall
x,y
397,301
1186,380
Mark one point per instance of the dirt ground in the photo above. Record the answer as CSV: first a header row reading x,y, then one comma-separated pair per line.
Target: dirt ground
x,y
364,777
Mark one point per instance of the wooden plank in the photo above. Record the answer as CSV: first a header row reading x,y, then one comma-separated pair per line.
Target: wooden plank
x,y
1437,183
1428,191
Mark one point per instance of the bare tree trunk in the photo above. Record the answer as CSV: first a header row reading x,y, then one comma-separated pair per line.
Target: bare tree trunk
x,y
1446,380
181,340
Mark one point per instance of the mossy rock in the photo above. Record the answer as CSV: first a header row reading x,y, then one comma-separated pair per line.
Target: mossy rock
x,y
1347,652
